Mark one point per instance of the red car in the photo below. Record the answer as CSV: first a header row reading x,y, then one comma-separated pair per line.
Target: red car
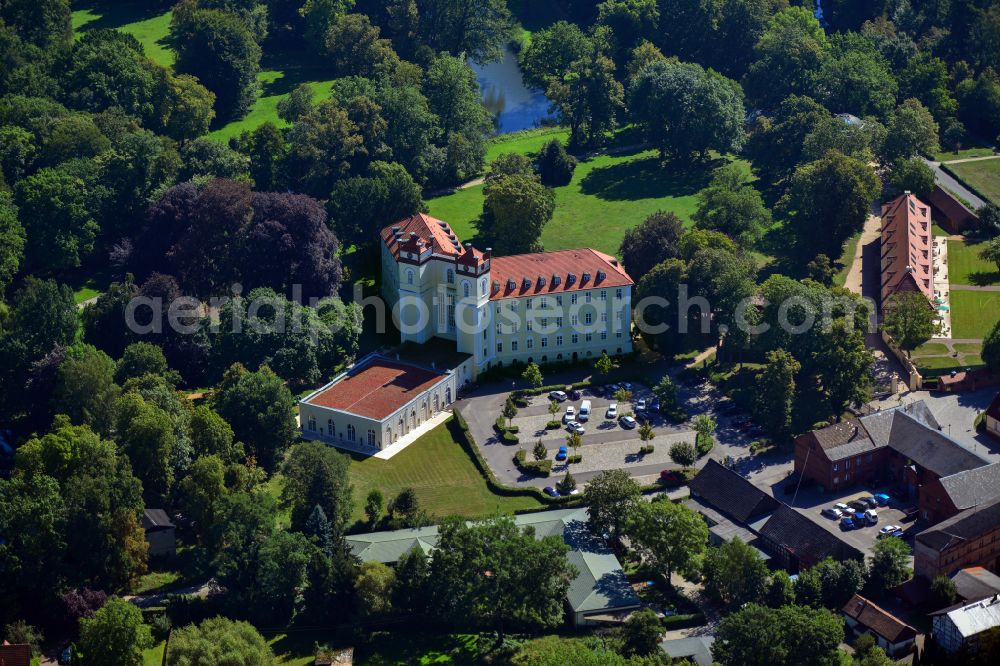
x,y
670,476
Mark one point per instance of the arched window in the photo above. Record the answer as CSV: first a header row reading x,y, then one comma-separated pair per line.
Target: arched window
x,y
482,286
409,276
350,432
451,276
465,289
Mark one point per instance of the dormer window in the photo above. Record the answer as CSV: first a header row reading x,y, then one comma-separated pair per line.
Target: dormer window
x,y
601,275
541,280
571,278
510,284
525,283
556,280
586,277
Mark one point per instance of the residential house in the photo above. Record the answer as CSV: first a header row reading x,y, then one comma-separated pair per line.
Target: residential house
x,y
159,533
696,649
890,633
600,591
959,627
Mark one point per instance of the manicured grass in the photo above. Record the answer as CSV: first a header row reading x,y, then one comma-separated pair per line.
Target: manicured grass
x,y
442,474
524,142
968,347
935,367
275,86
966,267
931,349
154,655
608,195
147,24
965,153
974,313
156,581
982,176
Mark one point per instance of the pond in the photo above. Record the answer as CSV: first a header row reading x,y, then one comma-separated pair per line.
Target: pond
x,y
513,105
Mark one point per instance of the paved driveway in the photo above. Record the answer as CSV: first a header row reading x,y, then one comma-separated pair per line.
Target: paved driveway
x,y
946,181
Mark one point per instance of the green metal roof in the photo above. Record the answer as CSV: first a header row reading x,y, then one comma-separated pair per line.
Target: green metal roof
x,y
599,586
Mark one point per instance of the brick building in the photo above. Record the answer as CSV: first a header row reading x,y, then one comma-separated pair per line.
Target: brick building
x,y
903,447
890,633
907,264
970,538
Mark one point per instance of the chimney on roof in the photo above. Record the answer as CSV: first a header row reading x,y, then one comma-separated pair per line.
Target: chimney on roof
x,y
395,230
906,192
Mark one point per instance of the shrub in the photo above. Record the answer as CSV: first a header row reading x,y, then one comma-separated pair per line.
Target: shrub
x,y
683,453
555,165
575,458
704,443
501,424
536,467
521,403
648,448
520,456
553,425
514,429
510,438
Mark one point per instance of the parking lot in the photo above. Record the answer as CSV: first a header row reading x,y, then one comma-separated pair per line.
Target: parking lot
x,y
810,502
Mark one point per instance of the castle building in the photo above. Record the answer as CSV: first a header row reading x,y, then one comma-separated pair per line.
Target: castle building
x,y
544,307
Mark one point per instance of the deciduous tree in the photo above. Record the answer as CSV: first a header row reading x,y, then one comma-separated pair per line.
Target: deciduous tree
x,y
651,243
217,640
116,635
611,497
910,319
316,474
669,536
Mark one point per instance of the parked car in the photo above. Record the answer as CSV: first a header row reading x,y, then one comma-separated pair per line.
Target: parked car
x,y
597,391
558,396
550,491
627,386
562,453
888,529
832,513
870,501
612,389
871,516
670,476
627,422
575,426
847,523
570,414
858,505
575,394
584,413
612,412
882,499
641,405
66,656
842,507
654,406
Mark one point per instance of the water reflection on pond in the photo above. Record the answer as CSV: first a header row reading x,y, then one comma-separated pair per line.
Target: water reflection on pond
x,y
514,106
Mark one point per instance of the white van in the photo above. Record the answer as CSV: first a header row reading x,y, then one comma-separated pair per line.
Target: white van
x,y
584,411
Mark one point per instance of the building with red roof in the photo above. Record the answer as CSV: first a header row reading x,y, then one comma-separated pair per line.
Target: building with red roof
x,y
378,400
907,260
540,307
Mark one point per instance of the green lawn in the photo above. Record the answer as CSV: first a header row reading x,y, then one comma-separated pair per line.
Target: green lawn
x,y
982,176
608,195
444,477
931,349
147,24
524,142
154,655
298,648
974,313
965,153
156,581
966,267
846,259
275,86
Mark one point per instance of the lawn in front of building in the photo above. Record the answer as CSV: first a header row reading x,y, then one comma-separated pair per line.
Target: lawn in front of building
x,y
298,648
964,154
982,175
609,194
442,474
965,266
973,313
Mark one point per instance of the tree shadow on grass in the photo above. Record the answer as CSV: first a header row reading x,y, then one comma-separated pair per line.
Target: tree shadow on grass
x,y
647,178
293,68
116,14
983,279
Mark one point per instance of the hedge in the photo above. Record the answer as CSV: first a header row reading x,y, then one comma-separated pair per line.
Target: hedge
x,y
536,467
703,443
514,429
553,425
510,438
578,457
648,448
683,621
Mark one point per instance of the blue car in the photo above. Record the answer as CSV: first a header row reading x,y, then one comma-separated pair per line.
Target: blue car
x,y
562,453
847,523
550,491
881,498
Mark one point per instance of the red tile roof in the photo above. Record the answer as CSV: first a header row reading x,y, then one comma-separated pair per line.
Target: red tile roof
x,y
906,247
549,273
427,228
881,621
15,655
377,389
